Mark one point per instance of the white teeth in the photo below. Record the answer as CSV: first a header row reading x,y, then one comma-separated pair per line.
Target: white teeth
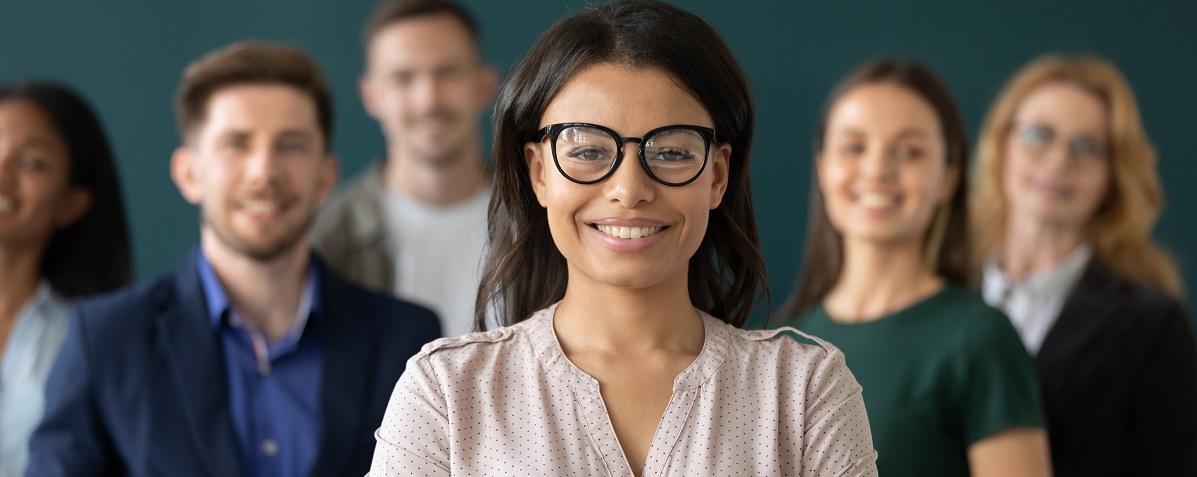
x,y
261,207
628,232
878,200
7,204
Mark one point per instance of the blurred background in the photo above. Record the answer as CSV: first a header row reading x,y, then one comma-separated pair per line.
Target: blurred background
x,y
126,57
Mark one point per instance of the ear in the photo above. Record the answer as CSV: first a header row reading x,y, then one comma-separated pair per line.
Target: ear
x,y
365,88
77,201
721,167
330,173
182,172
488,85
952,181
536,171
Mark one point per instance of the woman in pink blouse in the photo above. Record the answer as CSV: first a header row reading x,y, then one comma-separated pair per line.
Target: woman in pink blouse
x,y
624,257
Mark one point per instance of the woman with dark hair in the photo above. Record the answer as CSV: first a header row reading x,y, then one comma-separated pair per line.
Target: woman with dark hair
x,y
949,388
62,236
623,259
1066,198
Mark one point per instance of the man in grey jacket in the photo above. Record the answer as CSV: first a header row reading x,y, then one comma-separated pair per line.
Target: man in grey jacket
x,y
414,224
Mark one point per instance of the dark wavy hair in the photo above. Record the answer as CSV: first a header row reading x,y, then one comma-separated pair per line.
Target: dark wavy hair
x,y
946,245
525,271
92,255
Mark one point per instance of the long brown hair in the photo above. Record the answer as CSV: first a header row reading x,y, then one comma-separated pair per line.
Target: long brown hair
x,y
1120,231
525,271
946,244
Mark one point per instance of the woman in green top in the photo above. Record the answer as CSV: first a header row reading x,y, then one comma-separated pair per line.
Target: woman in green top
x,y
949,388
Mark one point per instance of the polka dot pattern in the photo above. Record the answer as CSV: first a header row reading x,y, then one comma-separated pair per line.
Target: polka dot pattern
x,y
508,402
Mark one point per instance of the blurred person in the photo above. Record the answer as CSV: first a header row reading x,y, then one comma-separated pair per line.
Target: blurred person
x,y
414,224
63,235
251,358
949,389
624,259
1067,194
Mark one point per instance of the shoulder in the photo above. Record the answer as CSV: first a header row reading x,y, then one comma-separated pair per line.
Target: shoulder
x,y
384,308
781,345
1145,303
361,195
116,316
517,345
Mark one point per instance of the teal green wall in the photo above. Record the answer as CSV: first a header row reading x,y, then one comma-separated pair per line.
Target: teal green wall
x,y
126,56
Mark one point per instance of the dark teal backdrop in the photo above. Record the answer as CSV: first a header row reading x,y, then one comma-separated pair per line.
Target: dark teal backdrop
x,y
126,57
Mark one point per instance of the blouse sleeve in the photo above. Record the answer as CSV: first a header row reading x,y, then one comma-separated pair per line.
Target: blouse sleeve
x,y
837,439
997,385
414,437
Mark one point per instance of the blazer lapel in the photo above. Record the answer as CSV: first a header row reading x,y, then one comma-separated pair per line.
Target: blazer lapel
x,y
348,366
193,355
1091,304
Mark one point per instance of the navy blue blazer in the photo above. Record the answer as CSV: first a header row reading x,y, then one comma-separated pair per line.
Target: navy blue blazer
x,y
139,388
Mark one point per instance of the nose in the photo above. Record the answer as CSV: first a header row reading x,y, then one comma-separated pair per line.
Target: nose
x,y
262,166
1057,157
880,164
630,184
426,94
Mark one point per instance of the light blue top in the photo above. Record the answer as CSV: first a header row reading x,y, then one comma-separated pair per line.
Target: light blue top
x,y
32,346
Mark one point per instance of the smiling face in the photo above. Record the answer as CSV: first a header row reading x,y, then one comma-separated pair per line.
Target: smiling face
x,y
628,230
36,196
883,168
1056,170
426,87
257,168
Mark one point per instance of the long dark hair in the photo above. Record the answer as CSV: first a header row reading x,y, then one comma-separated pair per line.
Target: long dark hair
x,y
946,243
92,254
524,271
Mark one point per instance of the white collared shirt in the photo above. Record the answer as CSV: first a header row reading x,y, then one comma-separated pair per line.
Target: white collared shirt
x,y
1034,303
32,347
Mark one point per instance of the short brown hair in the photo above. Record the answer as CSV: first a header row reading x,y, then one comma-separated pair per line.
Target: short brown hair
x,y
389,12
250,62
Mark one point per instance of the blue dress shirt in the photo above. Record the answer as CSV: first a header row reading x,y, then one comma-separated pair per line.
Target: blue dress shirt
x,y
274,387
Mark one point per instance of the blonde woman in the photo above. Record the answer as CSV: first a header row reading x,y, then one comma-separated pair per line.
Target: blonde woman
x,y
1066,195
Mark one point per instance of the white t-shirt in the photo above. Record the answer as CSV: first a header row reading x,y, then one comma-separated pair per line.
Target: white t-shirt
x,y
439,254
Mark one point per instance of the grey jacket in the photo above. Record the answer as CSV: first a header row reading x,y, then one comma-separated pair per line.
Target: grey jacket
x,y
351,233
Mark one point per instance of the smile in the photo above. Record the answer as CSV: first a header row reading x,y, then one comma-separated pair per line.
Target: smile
x,y
877,201
627,232
262,206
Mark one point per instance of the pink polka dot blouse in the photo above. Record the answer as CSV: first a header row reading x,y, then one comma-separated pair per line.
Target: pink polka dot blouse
x,y
508,402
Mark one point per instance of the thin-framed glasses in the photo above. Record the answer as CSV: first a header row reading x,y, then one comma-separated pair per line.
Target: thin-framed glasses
x,y
1038,138
588,153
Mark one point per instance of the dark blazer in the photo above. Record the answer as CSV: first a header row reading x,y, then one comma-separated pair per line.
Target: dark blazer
x,y
1118,372
139,388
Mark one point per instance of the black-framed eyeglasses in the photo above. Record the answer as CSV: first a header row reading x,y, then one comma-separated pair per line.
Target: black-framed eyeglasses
x,y
588,153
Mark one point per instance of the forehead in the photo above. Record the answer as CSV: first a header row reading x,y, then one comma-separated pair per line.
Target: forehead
x,y
629,100
1064,105
268,108
416,41
22,118
882,107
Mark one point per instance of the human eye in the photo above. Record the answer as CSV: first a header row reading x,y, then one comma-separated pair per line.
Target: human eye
x,y
673,156
850,149
293,145
909,152
1037,135
588,154
1088,148
32,162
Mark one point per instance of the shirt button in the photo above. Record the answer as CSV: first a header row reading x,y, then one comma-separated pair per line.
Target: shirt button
x,y
264,368
269,447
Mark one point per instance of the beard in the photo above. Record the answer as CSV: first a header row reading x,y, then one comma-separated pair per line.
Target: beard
x,y
267,250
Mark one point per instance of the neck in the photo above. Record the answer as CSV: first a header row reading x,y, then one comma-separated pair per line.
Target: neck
x,y
20,274
607,319
878,279
1032,245
438,184
265,293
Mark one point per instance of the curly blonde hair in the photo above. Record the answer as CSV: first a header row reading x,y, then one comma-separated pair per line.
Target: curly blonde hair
x,y
1120,231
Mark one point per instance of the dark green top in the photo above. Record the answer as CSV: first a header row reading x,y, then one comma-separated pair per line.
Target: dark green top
x,y
938,376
